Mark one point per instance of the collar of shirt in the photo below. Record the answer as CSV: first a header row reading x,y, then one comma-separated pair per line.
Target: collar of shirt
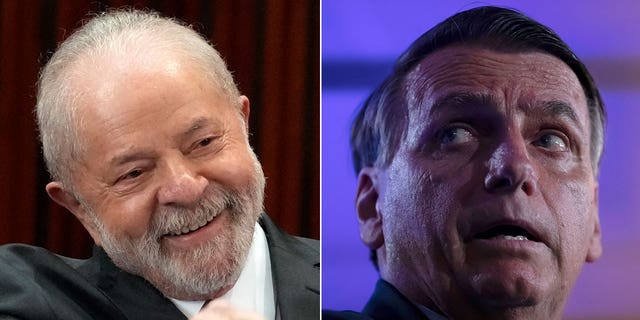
x,y
430,313
254,289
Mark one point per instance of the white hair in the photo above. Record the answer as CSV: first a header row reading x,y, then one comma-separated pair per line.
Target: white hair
x,y
122,33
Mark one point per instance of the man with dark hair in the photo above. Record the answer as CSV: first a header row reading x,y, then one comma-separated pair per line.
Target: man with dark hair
x,y
477,163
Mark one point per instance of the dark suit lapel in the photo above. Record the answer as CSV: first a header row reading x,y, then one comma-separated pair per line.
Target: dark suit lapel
x,y
295,267
133,295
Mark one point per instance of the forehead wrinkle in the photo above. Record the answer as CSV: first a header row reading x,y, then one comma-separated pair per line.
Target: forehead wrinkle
x,y
442,74
447,70
451,66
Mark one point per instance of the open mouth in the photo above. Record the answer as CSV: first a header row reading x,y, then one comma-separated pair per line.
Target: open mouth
x,y
506,232
194,226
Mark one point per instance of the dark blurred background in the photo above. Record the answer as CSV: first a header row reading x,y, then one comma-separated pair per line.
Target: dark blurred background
x,y
272,47
360,41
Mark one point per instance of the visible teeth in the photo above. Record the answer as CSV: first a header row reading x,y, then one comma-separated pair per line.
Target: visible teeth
x,y
508,237
195,226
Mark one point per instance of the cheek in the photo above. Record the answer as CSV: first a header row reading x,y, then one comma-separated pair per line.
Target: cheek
x,y
580,209
234,169
420,209
442,192
574,192
129,216
573,203
236,178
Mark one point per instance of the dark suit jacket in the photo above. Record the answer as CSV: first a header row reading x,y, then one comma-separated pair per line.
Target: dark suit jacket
x,y
385,303
36,284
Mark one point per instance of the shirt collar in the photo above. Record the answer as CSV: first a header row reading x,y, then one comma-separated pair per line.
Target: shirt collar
x,y
430,313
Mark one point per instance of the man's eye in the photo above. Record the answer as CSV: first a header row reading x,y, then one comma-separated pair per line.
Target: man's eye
x,y
202,146
132,174
205,142
455,135
551,141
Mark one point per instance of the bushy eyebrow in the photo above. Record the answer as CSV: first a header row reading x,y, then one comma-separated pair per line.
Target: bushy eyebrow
x,y
560,109
128,157
462,99
196,125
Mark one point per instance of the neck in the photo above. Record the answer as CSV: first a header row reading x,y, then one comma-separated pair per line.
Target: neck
x,y
547,310
460,306
536,312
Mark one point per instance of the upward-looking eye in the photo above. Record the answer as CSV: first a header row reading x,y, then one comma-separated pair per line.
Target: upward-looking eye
x,y
551,141
456,134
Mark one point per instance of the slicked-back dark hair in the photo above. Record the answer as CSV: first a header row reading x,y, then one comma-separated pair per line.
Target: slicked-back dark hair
x,y
381,122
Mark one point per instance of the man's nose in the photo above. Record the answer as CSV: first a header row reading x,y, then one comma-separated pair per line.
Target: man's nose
x,y
182,185
510,169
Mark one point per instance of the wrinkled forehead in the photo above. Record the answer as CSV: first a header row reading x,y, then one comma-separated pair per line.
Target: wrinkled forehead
x,y
507,81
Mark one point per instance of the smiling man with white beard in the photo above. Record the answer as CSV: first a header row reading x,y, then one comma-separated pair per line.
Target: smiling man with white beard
x,y
146,138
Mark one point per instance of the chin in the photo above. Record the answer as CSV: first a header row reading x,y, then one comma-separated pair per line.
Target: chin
x,y
510,287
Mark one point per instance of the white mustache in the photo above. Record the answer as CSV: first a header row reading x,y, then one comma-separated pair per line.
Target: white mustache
x,y
173,220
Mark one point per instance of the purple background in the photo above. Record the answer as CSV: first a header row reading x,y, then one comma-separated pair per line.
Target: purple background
x,y
360,40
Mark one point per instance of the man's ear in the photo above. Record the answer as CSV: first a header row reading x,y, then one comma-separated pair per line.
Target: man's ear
x,y
61,196
595,247
369,217
245,109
